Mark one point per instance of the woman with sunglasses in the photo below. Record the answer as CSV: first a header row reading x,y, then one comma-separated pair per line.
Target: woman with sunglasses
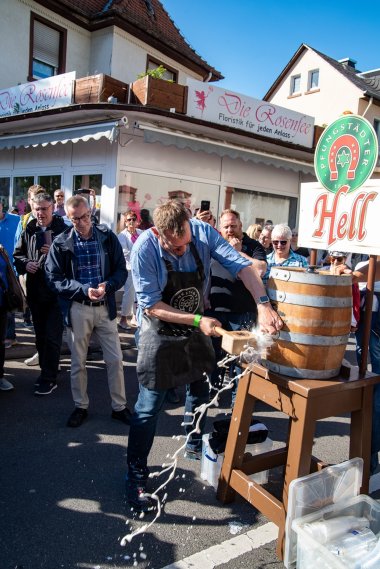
x,y
127,238
282,255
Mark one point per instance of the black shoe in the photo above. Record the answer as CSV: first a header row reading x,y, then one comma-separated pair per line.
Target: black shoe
x,y
77,417
138,498
172,396
45,387
124,416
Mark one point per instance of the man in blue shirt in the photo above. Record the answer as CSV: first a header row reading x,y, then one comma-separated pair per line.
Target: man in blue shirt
x,y
8,227
171,270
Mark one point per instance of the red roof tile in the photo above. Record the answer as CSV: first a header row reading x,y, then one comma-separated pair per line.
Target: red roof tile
x,y
146,19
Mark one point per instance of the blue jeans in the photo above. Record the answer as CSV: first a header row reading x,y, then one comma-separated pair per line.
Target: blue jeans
x,y
230,321
11,326
374,352
3,328
144,422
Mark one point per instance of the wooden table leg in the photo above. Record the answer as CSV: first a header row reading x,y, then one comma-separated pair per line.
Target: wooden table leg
x,y
360,434
237,438
300,446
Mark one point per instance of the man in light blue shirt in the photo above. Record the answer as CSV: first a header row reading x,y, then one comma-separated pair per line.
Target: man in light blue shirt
x,y
171,270
8,227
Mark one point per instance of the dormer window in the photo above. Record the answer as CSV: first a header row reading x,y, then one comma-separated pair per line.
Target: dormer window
x,y
313,81
295,84
170,73
47,49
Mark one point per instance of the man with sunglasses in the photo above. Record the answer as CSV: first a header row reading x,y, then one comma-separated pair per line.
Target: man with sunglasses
x,y
86,266
29,258
59,202
171,271
282,255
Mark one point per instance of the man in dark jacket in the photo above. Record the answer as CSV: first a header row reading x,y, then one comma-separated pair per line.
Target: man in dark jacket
x,y
230,301
85,266
29,259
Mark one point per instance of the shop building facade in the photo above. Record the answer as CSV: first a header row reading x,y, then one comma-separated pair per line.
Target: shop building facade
x,y
137,155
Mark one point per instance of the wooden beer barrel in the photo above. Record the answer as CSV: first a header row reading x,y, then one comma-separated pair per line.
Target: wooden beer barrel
x,y
316,309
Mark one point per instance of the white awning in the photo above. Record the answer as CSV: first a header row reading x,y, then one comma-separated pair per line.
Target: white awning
x,y
185,140
63,135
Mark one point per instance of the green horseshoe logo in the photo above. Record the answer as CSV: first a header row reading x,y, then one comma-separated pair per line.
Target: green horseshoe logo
x,y
346,153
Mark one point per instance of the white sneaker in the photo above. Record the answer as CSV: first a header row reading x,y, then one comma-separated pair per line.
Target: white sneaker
x,y
33,361
5,385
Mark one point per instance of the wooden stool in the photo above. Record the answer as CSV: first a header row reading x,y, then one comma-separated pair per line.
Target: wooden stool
x,y
304,401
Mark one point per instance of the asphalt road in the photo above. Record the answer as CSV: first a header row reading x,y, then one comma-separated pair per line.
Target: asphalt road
x,y
62,501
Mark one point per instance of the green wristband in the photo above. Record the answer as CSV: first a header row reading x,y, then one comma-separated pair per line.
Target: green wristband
x,y
197,320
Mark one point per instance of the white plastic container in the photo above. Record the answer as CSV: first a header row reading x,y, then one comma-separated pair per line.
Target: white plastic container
x,y
330,555
309,494
212,463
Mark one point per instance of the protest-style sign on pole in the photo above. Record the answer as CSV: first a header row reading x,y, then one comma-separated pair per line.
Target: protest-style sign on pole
x,y
341,211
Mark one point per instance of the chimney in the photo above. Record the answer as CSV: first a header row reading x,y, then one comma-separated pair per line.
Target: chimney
x,y
348,62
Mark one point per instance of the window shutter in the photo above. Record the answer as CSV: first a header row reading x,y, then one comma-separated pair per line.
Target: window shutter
x,y
46,44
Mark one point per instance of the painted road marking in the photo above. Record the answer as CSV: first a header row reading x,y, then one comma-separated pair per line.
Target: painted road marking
x,y
229,549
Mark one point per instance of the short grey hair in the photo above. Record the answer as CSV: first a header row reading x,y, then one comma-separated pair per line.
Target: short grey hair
x,y
75,201
281,230
42,197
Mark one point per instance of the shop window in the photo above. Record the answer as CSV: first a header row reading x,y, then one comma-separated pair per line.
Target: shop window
x,y
90,181
21,185
313,81
4,192
170,73
295,84
144,192
281,209
50,183
47,49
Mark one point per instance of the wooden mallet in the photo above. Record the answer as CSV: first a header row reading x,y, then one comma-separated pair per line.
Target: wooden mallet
x,y
236,341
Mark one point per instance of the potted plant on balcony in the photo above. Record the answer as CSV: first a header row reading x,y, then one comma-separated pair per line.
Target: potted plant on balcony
x,y
153,90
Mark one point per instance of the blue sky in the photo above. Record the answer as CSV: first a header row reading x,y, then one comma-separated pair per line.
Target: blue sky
x,y
251,41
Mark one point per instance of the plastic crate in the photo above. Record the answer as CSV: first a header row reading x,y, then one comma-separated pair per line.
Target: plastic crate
x,y
309,494
313,553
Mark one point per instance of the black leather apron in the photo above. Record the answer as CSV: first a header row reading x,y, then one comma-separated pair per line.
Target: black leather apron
x,y
170,355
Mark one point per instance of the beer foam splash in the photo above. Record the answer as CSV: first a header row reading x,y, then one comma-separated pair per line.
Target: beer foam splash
x,y
249,356
261,344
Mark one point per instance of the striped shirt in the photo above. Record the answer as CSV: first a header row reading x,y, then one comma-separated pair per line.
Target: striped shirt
x,y
87,252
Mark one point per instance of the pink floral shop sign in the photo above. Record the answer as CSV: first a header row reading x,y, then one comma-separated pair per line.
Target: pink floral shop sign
x,y
222,106
39,95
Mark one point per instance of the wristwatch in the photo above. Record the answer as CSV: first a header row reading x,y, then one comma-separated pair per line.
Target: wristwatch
x,y
263,299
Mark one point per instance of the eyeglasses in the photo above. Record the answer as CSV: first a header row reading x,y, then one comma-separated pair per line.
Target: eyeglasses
x,y
130,219
282,243
41,208
339,259
84,217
